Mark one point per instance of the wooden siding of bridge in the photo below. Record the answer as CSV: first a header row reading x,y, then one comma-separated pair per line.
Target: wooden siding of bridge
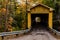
x,y
40,9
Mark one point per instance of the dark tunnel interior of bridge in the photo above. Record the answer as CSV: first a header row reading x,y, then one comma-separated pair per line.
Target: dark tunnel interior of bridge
x,y
43,24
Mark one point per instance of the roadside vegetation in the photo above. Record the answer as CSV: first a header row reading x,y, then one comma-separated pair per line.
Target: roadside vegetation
x,y
13,14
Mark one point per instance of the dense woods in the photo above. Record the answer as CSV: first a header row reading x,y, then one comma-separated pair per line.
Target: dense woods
x,y
13,14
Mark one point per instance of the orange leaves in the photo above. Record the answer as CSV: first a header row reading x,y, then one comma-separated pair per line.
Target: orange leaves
x,y
3,10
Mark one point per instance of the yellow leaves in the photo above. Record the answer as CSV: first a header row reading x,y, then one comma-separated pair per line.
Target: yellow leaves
x,y
18,10
29,0
6,1
23,5
10,20
9,28
16,4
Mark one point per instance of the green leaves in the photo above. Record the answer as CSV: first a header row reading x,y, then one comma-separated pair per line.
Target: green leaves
x,y
49,3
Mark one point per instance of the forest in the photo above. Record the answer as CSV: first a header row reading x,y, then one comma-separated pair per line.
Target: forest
x,y
13,13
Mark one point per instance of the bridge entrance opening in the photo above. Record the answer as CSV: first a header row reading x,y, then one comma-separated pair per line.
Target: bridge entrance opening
x,y
39,21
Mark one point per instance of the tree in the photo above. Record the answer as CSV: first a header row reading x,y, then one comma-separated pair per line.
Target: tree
x,y
49,3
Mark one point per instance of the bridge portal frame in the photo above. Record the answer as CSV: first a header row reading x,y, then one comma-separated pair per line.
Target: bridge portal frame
x,y
41,9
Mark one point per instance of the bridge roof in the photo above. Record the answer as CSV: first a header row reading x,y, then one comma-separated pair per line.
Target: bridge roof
x,y
37,4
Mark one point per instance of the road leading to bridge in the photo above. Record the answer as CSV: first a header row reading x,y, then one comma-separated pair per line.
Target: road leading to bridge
x,y
36,35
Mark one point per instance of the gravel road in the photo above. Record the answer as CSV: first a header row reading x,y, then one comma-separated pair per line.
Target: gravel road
x,y
36,35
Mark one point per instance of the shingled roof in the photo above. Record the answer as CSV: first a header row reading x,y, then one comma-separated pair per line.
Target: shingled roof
x,y
37,4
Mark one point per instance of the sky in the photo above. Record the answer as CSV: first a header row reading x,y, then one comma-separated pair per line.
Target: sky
x,y
22,1
19,1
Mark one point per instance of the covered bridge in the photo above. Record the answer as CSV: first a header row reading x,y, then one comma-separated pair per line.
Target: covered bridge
x,y
44,12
